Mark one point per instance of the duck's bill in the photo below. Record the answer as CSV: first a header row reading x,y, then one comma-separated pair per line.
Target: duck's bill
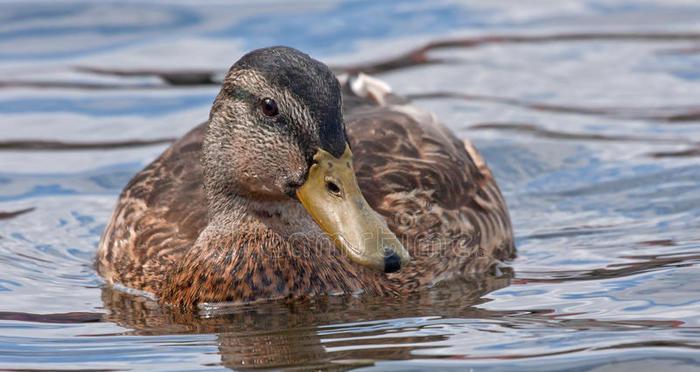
x,y
333,198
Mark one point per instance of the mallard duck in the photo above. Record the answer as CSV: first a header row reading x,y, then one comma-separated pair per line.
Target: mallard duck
x,y
301,184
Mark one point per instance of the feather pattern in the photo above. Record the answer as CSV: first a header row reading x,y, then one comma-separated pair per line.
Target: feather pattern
x,y
435,192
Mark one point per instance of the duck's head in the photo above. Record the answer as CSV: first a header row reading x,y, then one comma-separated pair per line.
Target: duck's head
x,y
276,132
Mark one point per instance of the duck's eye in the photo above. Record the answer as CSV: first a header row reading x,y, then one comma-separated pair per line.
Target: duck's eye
x,y
269,107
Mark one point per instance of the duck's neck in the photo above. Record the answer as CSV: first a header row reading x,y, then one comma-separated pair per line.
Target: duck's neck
x,y
284,217
254,250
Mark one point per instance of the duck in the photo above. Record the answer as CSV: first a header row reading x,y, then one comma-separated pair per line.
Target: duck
x,y
302,184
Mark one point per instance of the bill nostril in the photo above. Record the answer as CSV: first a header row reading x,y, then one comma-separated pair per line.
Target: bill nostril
x,y
333,188
392,263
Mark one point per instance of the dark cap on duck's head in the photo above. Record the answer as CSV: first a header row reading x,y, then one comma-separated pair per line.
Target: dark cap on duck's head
x,y
276,131
311,82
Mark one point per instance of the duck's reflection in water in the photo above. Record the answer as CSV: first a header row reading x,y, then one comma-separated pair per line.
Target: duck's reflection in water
x,y
309,333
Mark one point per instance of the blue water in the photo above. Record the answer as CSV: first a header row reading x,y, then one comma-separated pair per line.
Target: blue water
x,y
595,143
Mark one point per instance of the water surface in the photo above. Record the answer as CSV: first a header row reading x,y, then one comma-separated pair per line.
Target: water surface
x,y
587,112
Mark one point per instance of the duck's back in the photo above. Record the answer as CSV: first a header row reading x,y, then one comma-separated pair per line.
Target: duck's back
x,y
434,190
159,215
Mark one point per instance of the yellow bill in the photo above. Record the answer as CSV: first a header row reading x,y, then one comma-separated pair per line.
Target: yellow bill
x,y
333,198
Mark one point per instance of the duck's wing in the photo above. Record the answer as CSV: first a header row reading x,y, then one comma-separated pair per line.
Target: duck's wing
x,y
158,216
434,190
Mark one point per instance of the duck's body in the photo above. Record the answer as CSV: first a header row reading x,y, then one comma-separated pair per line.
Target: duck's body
x,y
169,236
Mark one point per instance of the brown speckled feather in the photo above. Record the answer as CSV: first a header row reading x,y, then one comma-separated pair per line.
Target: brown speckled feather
x,y
436,195
159,215
432,192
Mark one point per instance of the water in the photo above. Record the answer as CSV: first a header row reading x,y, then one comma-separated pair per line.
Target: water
x,y
590,124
